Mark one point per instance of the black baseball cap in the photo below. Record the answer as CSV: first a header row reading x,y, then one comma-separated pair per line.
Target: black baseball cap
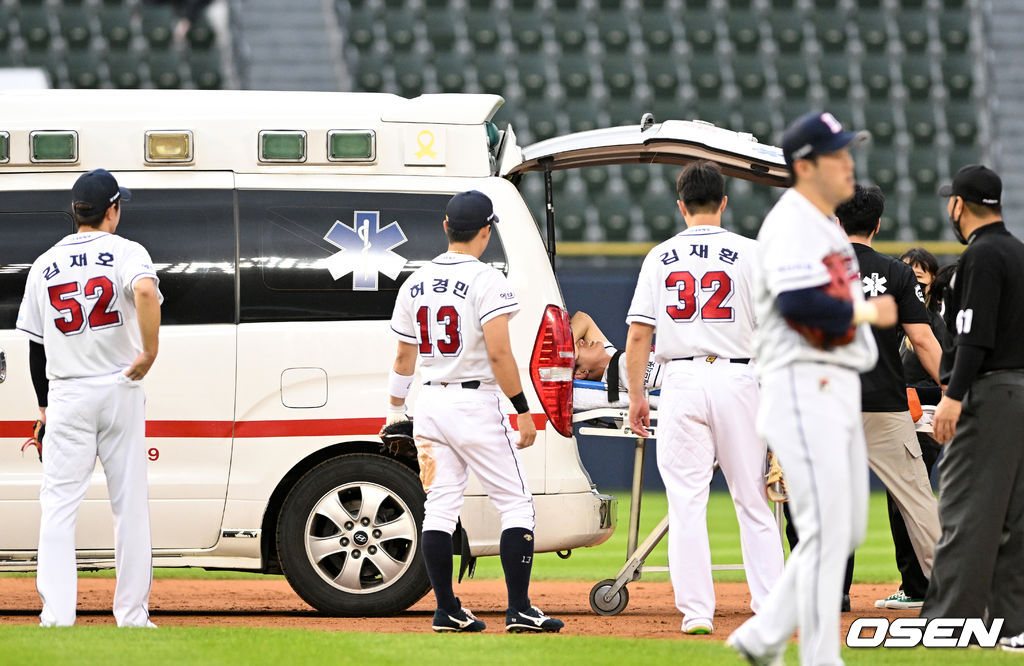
x,y
817,134
975,183
469,210
97,190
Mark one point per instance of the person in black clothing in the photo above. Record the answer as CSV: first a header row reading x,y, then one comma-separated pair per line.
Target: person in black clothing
x,y
894,453
979,560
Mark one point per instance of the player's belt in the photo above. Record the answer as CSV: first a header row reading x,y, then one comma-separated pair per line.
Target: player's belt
x,y
712,359
474,384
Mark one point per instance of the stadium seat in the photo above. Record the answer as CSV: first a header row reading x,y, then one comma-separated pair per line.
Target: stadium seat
x,y
637,177
574,72
201,36
744,30
787,30
882,167
527,31
656,29
158,25
871,28
746,214
614,214
618,72
35,27
401,32
541,115
625,111
705,75
5,28
74,26
440,28
921,123
829,31
957,76
962,156
450,72
361,29
569,30
595,178
748,71
533,74
880,121
962,121
204,66
662,76
83,69
613,31
661,221
791,71
923,167
409,74
876,75
913,30
124,69
700,27
917,75
582,115
482,28
369,73
47,60
835,75
570,216
927,217
754,120
490,72
954,30
164,69
711,110
115,23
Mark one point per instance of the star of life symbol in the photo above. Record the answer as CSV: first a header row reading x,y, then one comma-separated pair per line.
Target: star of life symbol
x,y
366,250
875,284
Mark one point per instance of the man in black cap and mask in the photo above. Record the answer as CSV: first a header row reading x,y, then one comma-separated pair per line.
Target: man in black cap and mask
x,y
979,560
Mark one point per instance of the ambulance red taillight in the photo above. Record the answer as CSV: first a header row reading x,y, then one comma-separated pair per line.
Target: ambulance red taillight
x,y
551,368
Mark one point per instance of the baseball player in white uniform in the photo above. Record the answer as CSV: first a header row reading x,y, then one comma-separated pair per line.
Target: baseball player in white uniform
x,y
92,307
453,314
695,289
810,406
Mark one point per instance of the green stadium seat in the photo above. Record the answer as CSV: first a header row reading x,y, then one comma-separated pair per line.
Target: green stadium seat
x,y
787,30
744,30
653,4
614,216
954,30
570,216
928,217
749,74
637,177
746,213
361,29
618,72
5,28
705,75
830,31
409,74
595,178
913,30
74,26
205,68
876,75
953,4
124,69
712,110
450,71
613,31
791,71
835,75
401,32
568,4
962,121
880,121
473,4
47,60
164,69
83,68
917,75
871,27
439,25
625,111
35,27
574,72
921,123
911,4
541,115
533,74
662,76
700,27
527,31
923,168
569,30
754,120
158,23
482,28
490,72
656,29
369,73
201,36
882,167
582,115
957,75
662,220
960,156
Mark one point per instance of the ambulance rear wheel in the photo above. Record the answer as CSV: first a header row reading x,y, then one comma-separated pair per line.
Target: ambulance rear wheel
x,y
349,536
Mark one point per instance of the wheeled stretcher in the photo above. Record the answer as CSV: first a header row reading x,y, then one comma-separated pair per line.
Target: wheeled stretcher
x,y
597,416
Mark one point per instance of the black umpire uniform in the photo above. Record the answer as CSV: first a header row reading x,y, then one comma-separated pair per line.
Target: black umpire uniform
x,y
979,561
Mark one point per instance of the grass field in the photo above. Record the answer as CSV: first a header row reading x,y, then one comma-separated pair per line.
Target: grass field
x,y
215,646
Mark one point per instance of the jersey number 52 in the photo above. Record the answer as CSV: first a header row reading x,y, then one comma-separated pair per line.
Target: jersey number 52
x,y
715,290
63,298
449,343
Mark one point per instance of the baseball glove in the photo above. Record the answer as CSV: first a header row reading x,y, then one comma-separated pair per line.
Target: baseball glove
x,y
397,438
839,288
36,440
774,482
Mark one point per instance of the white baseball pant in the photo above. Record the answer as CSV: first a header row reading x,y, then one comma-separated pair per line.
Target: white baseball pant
x,y
810,415
706,412
458,429
102,416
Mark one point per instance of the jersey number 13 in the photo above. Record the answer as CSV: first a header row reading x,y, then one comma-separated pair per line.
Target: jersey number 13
x,y
449,342
708,301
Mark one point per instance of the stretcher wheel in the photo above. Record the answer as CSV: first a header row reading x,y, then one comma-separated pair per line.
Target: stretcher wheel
x,y
618,601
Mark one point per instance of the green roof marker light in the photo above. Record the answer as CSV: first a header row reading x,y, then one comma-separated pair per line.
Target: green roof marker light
x,y
351,146
283,146
54,146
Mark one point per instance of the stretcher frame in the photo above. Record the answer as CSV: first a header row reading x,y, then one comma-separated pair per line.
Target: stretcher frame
x,y
611,596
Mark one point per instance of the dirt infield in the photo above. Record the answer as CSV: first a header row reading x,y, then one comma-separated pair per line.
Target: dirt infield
x,y
271,603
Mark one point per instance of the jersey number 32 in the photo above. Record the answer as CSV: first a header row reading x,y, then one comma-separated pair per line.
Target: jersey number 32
x,y
715,290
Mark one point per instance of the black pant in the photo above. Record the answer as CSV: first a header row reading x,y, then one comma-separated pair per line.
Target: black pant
x,y
979,560
914,582
793,539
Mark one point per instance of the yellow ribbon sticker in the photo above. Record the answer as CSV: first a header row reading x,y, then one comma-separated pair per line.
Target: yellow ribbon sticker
x,y
425,141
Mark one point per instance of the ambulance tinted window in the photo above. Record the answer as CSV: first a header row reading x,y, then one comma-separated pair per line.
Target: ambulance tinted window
x,y
335,255
190,234
30,223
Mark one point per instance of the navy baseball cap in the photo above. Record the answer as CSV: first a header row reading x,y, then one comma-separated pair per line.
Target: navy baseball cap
x,y
975,183
96,191
817,134
469,210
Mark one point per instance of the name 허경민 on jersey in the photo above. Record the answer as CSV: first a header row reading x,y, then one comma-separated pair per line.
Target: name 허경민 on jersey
x,y
725,255
81,259
440,286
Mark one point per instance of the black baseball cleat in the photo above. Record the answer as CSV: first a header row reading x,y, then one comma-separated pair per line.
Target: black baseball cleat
x,y
459,621
531,620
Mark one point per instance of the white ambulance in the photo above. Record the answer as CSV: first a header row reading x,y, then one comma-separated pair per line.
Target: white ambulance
x,y
282,225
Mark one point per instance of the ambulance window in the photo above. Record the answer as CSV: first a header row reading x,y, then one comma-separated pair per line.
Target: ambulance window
x,y
321,256
30,223
190,234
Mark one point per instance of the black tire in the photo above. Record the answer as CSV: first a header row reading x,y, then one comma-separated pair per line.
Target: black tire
x,y
344,558
616,605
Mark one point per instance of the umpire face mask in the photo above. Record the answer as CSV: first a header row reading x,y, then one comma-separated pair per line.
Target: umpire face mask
x,y
954,221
